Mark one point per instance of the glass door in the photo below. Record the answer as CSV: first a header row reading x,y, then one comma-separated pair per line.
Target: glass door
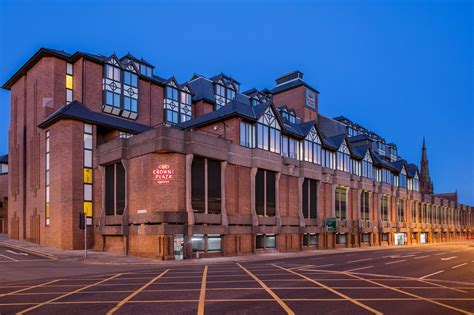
x,y
178,245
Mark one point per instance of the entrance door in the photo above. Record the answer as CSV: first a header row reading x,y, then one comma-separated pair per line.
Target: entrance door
x,y
178,245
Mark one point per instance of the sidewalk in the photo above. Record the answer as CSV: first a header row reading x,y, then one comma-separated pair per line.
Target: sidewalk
x,y
106,258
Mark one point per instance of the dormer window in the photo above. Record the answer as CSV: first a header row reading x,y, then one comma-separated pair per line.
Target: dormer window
x,y
146,71
254,101
112,86
403,178
223,94
130,92
177,104
367,168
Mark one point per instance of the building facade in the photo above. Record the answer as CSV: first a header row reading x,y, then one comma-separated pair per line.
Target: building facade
x,y
200,169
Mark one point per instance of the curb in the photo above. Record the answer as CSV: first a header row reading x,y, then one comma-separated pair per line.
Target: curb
x,y
31,251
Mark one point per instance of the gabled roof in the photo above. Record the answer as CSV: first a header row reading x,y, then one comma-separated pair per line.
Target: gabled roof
x,y
412,170
141,60
77,111
4,159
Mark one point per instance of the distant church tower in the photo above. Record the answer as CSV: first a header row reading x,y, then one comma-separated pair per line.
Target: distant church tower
x,y
426,186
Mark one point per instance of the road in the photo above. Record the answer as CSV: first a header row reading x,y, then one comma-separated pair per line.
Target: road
x,y
407,280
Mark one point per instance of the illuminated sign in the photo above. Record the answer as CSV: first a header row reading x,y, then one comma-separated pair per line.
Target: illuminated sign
x,y
310,99
163,174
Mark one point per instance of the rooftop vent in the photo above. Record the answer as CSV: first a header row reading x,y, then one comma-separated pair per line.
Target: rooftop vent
x,y
289,77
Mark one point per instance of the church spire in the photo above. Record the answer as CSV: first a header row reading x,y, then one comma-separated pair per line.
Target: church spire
x,y
426,185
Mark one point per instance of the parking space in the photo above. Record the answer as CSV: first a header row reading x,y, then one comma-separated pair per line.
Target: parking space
x,y
289,286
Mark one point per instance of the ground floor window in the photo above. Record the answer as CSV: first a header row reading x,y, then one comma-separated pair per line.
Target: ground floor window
x,y
310,239
365,238
385,237
424,238
341,239
209,243
399,238
264,241
414,236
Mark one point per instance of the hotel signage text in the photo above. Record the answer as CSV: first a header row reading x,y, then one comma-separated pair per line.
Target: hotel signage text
x,y
163,174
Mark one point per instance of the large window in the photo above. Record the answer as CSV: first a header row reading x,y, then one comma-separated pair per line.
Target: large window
x,y
416,183
310,198
367,168
365,205
401,210
247,134
356,167
403,178
312,147
268,132
341,203
223,94
206,171
206,243
265,193
310,240
47,177
114,189
130,93
414,212
328,159
290,147
69,83
88,140
343,157
177,104
384,208
112,87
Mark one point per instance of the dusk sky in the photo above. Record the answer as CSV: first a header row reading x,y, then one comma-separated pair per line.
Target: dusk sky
x,y
402,69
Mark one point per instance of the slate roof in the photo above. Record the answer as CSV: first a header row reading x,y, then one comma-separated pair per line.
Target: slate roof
x,y
77,111
290,85
4,159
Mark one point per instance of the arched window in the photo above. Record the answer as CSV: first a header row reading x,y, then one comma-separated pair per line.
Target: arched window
x,y
268,132
312,147
367,168
343,157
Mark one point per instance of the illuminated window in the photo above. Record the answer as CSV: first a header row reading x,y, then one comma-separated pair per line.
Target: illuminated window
x,y
312,147
47,178
343,157
265,193
365,205
247,134
341,203
268,132
88,178
310,199
69,83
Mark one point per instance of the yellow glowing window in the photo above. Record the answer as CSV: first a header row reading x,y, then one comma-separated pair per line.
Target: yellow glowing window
x,y
47,210
69,82
87,176
88,208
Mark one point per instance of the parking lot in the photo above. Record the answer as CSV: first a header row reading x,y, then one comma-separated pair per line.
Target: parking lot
x,y
432,279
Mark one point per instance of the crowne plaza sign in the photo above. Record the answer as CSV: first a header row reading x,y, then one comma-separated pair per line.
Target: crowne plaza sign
x,y
163,174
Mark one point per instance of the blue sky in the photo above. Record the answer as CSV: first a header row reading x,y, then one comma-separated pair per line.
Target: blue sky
x,y
400,68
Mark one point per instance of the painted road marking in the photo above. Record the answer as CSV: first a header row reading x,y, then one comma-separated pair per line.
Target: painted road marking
x,y
13,259
449,258
202,295
422,257
333,291
313,266
361,268
15,253
443,253
29,288
67,294
269,291
395,262
409,294
354,261
131,296
431,274
458,266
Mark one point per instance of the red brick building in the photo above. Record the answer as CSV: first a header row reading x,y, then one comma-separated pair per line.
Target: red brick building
x,y
198,169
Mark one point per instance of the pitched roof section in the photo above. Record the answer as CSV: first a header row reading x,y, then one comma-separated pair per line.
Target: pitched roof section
x,y
290,85
77,111
4,159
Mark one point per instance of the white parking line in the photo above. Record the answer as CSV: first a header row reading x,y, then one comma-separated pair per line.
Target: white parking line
x,y
9,257
422,257
361,268
353,261
319,266
443,253
431,274
458,266
395,262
